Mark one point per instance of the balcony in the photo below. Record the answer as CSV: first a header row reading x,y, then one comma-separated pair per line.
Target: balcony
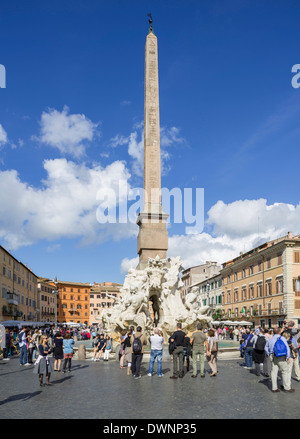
x,y
12,299
8,311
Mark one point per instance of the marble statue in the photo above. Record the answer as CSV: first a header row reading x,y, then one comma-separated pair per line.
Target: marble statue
x,y
158,284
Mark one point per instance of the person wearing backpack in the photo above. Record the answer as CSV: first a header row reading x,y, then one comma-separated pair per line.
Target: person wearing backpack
x,y
278,350
138,340
259,343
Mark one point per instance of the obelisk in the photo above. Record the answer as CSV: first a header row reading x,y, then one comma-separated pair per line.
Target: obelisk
x,y
153,235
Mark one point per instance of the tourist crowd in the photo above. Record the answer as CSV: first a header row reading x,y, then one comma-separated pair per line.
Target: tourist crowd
x,y
270,351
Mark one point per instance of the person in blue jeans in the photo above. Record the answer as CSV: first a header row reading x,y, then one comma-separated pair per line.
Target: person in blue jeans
x,y
156,342
248,349
22,338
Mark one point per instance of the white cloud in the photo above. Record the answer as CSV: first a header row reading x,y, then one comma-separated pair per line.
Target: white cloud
x,y
3,136
246,217
63,207
135,142
234,230
70,133
126,264
125,103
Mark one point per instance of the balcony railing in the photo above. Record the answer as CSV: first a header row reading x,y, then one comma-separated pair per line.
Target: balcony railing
x,y
12,299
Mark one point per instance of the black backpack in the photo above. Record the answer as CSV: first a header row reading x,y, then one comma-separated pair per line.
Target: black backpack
x,y
137,345
260,343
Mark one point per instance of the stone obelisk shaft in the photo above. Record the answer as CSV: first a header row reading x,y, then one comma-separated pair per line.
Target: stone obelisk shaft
x,y
153,236
152,171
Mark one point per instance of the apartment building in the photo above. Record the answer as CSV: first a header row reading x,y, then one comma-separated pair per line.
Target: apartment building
x,y
73,300
263,284
210,291
102,297
199,273
47,301
18,289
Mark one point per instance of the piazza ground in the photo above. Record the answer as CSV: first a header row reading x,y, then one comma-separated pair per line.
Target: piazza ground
x,y
101,390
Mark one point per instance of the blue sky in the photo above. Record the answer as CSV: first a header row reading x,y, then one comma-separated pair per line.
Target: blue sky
x,y
229,119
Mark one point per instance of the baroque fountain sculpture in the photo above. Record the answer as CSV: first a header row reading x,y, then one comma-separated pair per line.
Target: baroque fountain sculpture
x,y
159,284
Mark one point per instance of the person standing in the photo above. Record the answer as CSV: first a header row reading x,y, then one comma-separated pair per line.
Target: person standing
x,y
22,339
278,350
198,341
294,353
127,348
42,365
212,352
122,348
248,348
156,342
266,364
7,345
187,350
258,354
58,351
108,348
95,344
68,343
138,340
101,347
178,339
31,347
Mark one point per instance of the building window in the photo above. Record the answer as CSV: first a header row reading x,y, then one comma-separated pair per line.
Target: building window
x,y
269,288
279,286
297,257
297,284
250,270
236,295
251,292
244,294
279,259
259,290
268,263
243,273
235,276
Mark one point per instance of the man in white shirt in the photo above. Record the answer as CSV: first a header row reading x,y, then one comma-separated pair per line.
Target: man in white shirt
x,y
23,347
156,342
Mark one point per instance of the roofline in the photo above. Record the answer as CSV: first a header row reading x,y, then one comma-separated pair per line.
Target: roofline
x,y
17,260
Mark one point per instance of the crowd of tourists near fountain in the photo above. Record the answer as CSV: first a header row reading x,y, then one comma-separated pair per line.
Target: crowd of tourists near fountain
x,y
266,352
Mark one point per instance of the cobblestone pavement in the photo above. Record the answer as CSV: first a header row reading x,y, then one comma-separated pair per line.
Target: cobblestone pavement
x,y
102,390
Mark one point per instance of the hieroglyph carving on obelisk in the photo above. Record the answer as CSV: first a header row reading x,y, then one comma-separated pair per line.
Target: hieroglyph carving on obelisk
x,y
153,235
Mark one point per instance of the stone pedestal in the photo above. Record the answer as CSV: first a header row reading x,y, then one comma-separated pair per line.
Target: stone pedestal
x,y
81,352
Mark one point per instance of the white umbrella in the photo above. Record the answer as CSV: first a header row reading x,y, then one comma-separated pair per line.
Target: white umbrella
x,y
72,324
11,323
245,323
228,322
